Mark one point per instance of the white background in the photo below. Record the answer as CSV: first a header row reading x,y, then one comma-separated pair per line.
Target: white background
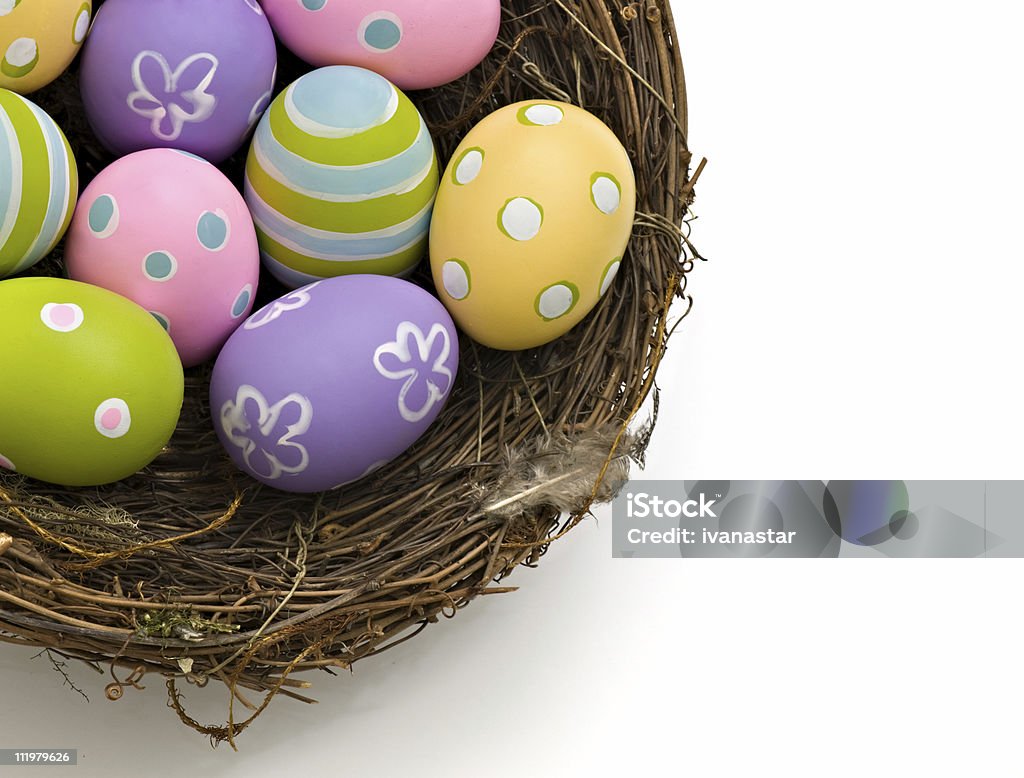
x,y
859,319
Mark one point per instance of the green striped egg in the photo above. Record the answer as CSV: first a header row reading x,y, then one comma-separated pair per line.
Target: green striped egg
x,y
341,178
38,183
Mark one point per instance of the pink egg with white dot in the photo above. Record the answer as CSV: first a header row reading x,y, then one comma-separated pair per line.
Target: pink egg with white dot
x,y
412,43
169,231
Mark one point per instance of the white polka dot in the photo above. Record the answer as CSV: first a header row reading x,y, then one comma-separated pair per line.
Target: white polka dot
x,y
254,6
82,25
62,317
112,418
521,218
456,280
606,194
469,167
6,6
609,276
556,301
545,115
5,463
22,52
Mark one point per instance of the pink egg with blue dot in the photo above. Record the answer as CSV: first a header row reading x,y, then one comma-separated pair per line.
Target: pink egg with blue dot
x,y
412,43
167,230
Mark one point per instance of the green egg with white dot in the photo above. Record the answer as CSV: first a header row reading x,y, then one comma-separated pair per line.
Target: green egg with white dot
x,y
97,386
532,222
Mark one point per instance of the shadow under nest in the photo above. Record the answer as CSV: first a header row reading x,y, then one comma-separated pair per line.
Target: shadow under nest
x,y
194,571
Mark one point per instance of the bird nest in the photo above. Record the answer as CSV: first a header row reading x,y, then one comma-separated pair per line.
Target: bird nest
x,y
193,571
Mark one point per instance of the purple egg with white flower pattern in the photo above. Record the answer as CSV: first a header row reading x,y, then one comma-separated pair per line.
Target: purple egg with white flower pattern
x,y
332,381
194,75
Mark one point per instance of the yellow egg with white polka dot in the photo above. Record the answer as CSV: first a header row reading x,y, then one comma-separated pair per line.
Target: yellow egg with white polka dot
x,y
532,220
38,40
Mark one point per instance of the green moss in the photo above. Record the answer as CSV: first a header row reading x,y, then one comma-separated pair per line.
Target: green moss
x,y
181,624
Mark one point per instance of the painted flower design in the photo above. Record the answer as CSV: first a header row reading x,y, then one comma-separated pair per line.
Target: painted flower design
x,y
419,361
261,105
291,302
171,98
266,434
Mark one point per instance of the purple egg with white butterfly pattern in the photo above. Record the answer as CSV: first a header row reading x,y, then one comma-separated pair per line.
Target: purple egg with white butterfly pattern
x,y
194,75
332,381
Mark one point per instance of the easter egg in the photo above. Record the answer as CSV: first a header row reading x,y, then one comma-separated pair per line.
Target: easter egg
x,y
186,74
92,387
170,232
332,381
866,513
531,223
341,178
413,43
38,183
38,40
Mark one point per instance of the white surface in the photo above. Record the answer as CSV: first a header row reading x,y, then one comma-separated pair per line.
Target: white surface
x,y
859,319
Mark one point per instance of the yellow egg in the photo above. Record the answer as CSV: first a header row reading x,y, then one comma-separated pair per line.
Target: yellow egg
x,y
531,222
38,40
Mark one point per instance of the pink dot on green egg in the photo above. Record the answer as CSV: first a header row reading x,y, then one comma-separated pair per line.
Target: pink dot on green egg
x,y
7,464
112,418
62,317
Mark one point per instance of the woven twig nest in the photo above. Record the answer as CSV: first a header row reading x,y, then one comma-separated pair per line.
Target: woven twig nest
x,y
193,571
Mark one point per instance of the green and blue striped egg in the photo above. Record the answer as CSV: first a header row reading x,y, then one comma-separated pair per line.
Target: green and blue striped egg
x,y
38,183
341,178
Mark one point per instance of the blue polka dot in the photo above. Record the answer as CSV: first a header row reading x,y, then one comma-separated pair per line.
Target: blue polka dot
x,y
313,5
242,303
383,34
101,215
160,266
212,231
163,320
